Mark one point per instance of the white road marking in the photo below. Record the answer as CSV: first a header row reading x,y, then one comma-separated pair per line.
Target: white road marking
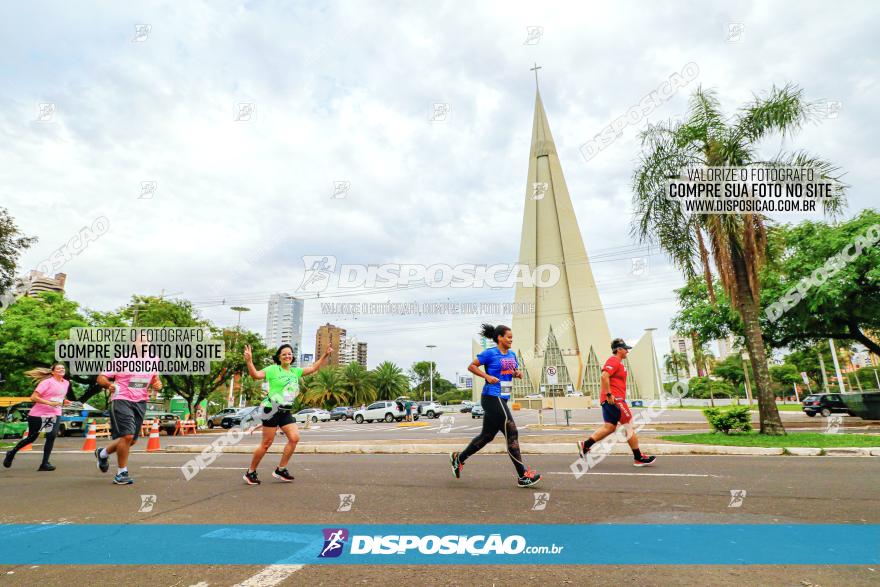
x,y
209,467
270,576
631,474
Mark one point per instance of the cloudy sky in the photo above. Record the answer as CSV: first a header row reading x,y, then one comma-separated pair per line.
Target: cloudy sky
x,y
245,117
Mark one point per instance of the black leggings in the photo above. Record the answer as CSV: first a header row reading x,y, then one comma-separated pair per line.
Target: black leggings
x,y
497,418
35,423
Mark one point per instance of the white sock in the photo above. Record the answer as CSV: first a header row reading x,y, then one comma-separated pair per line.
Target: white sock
x,y
103,453
123,470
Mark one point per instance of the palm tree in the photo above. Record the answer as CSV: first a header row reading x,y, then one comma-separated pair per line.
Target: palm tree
x,y
326,389
358,384
708,358
389,381
675,361
736,242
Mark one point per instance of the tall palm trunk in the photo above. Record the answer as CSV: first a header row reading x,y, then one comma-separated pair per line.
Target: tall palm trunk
x,y
748,310
698,355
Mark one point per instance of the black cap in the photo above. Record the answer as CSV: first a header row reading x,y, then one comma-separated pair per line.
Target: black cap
x,y
618,343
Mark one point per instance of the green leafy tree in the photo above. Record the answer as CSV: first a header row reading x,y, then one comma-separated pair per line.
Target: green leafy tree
x,y
736,242
806,360
156,312
846,306
389,381
420,376
12,243
785,376
731,371
706,387
28,331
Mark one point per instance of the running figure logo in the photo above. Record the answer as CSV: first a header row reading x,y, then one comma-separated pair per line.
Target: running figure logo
x,y
346,500
318,269
541,501
147,503
334,541
539,190
833,423
446,423
737,496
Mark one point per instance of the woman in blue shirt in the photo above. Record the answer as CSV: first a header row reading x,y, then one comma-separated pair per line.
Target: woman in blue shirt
x,y
501,367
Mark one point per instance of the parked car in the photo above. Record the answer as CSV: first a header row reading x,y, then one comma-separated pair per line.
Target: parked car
x,y
824,404
383,410
466,408
14,418
217,418
313,414
74,422
235,419
430,409
341,413
574,394
477,411
167,420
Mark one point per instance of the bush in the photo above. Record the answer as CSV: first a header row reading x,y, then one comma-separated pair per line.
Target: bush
x,y
735,418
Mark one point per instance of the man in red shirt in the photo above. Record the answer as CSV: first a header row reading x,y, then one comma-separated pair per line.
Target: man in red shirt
x,y
615,411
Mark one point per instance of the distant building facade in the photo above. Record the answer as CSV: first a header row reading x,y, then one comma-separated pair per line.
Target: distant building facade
x,y
284,322
37,282
335,337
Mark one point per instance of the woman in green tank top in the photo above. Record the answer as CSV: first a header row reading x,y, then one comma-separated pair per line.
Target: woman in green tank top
x,y
274,410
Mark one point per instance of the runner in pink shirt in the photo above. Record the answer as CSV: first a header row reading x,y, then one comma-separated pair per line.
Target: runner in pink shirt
x,y
127,408
45,416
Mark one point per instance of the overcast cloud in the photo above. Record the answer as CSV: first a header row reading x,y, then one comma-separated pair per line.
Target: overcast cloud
x,y
344,92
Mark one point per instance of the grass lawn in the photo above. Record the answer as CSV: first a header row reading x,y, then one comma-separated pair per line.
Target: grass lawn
x,y
806,439
781,407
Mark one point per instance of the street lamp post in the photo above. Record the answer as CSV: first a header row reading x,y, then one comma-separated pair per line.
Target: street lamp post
x,y
431,372
239,309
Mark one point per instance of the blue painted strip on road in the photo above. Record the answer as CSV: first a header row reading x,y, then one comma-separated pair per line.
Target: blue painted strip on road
x,y
472,544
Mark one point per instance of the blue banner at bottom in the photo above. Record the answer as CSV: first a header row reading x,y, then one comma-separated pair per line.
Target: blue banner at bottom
x,y
472,544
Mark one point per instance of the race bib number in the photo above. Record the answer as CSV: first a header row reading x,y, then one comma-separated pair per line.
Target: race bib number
x,y
139,382
507,385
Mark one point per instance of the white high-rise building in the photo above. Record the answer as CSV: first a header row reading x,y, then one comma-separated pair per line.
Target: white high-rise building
x,y
685,346
348,350
726,347
284,322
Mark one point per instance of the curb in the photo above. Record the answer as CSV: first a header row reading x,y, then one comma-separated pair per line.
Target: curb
x,y
549,448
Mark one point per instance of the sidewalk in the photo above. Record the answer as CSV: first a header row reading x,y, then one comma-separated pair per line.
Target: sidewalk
x,y
539,445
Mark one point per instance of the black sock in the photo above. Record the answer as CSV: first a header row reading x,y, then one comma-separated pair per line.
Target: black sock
x,y
590,442
637,453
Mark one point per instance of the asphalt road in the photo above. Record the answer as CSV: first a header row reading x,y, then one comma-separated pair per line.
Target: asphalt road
x,y
420,489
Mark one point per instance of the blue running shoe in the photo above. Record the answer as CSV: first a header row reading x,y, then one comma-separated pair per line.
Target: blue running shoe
x,y
122,479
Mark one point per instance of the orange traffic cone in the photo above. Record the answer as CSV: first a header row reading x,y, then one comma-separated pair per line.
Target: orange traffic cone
x,y
91,442
27,447
153,443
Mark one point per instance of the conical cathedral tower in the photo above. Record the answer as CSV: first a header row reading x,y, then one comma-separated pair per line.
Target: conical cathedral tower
x,y
551,236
